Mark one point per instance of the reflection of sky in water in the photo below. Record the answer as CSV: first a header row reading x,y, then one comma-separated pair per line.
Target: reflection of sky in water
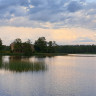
x,y
3,72
83,55
5,59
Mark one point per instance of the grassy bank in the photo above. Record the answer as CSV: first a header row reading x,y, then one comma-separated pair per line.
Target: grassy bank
x,y
34,54
11,54
50,54
39,54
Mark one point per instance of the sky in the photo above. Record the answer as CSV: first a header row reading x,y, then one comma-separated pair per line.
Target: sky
x,y
65,21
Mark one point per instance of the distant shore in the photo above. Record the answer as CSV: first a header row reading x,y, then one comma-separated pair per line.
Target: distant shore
x,y
34,54
40,54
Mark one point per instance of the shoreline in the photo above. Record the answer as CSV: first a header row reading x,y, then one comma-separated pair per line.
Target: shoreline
x,y
40,54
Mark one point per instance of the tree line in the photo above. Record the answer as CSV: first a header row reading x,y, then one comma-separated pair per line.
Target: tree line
x,y
42,46
76,49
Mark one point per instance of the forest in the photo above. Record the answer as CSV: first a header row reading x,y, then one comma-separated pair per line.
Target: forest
x,y
42,46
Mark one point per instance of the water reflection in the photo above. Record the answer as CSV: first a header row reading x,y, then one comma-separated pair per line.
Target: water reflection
x,y
21,64
65,76
44,56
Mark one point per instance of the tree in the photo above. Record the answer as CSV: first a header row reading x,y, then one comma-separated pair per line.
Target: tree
x,y
52,47
18,45
27,48
41,45
1,44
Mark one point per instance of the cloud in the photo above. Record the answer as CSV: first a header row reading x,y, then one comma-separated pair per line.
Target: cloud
x,y
41,13
84,40
74,6
63,36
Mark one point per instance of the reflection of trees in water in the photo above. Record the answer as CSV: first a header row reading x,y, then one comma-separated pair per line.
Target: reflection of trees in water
x,y
16,64
25,66
19,58
43,56
12,58
26,58
0,61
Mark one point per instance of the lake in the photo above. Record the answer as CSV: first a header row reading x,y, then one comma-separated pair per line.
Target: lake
x,y
70,75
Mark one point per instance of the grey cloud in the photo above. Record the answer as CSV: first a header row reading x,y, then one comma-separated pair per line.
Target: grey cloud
x,y
74,6
60,13
83,1
47,11
8,3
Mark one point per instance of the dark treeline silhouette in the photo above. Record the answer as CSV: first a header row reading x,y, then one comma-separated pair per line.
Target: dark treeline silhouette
x,y
42,46
76,49
22,47
4,47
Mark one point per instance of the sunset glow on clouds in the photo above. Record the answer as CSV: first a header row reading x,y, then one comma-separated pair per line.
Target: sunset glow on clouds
x,y
64,21
62,36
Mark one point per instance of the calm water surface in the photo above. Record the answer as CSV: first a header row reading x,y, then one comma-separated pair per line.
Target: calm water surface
x,y
72,75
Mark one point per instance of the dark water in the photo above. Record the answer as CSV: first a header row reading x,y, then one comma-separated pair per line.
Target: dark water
x,y
72,75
